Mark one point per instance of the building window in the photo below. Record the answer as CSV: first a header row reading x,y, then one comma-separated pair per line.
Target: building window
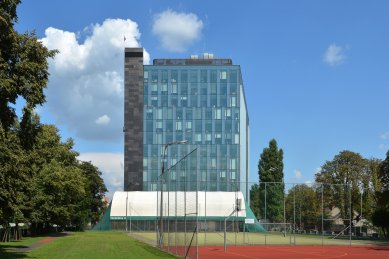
x,y
213,101
188,114
149,125
223,88
184,101
188,125
178,125
208,138
174,76
198,114
208,114
164,101
233,164
149,114
193,76
213,88
203,76
213,76
173,89
154,101
218,114
154,76
213,162
184,76
208,126
145,162
158,137
233,76
227,113
236,139
218,126
158,125
233,88
223,75
159,114
154,89
179,114
198,138
218,138
233,101
164,88
169,114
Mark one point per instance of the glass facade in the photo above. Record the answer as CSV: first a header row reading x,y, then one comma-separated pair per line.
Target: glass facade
x,y
200,104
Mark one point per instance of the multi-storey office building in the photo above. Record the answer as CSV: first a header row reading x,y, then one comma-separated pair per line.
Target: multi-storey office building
x,y
199,99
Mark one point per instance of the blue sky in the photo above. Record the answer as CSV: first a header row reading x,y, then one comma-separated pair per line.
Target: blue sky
x,y
316,73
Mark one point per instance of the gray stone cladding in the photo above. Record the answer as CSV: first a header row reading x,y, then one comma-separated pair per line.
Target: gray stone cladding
x,y
133,119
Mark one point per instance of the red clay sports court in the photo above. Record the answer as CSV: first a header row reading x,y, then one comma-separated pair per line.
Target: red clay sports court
x,y
294,252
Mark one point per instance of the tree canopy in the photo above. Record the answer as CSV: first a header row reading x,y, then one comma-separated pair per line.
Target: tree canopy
x,y
42,182
23,66
347,174
381,213
271,177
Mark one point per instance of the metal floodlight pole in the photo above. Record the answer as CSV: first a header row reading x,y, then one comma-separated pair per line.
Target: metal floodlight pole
x,y
283,194
161,181
360,216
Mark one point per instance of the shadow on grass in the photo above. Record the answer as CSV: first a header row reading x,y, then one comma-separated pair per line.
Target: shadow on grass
x,y
152,250
8,251
11,250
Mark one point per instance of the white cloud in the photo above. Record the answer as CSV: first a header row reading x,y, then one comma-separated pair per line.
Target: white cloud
x,y
103,120
297,174
385,135
334,55
383,146
86,79
111,166
177,31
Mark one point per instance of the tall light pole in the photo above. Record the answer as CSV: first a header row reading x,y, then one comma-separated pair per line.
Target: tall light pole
x,y
161,179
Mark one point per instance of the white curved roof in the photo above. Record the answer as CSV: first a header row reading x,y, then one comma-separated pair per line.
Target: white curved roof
x,y
147,204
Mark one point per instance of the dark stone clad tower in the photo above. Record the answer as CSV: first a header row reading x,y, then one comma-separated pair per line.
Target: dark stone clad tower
x,y
133,119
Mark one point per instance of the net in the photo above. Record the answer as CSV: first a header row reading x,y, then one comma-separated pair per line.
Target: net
x,y
178,199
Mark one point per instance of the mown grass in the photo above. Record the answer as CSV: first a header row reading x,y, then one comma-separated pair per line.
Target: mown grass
x,y
91,245
7,249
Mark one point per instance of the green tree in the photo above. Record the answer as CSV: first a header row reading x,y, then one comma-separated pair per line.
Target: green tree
x,y
23,65
347,170
303,207
58,194
254,200
14,179
381,213
271,176
96,190
41,180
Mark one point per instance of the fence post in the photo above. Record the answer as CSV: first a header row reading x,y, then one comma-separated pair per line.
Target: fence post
x,y
265,216
225,235
349,198
322,215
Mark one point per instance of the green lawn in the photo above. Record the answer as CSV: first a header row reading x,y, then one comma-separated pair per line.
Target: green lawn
x,y
86,245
